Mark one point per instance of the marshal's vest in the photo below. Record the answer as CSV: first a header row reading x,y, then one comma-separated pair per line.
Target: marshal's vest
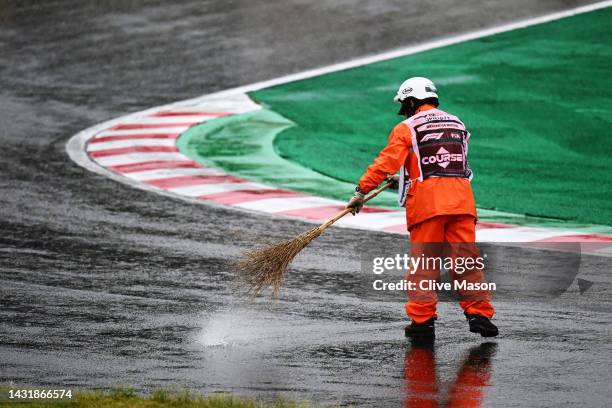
x,y
440,144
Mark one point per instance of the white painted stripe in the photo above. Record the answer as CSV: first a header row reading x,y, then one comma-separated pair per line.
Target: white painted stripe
x,y
132,158
520,234
157,120
170,173
402,231
202,189
275,205
607,251
94,147
150,131
375,220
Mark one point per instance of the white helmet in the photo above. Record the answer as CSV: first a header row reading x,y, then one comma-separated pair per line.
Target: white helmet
x,y
416,87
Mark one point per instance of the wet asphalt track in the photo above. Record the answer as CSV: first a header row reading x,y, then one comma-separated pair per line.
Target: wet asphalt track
x,y
104,285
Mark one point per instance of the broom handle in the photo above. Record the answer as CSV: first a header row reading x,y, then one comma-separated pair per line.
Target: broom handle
x,y
341,214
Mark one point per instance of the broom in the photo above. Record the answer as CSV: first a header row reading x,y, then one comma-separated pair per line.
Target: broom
x,y
265,266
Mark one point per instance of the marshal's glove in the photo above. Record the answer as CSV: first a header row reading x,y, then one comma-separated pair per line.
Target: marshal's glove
x,y
356,203
394,178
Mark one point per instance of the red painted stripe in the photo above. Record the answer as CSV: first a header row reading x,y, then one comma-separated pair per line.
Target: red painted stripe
x,y
134,149
165,114
183,181
156,165
128,126
325,212
100,139
486,225
243,196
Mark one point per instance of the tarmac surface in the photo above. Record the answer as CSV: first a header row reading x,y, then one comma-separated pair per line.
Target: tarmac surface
x,y
104,285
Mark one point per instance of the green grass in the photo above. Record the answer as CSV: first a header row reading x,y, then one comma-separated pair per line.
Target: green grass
x,y
538,102
127,398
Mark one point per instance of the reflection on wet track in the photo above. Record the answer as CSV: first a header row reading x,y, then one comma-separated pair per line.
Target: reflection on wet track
x,y
468,388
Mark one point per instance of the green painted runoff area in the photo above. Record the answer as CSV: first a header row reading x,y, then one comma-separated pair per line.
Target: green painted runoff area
x,y
538,102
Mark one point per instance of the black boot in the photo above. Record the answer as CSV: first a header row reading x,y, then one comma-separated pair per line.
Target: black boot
x,y
482,325
421,332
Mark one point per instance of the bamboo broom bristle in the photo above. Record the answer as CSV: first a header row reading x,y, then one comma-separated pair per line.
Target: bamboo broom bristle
x,y
265,266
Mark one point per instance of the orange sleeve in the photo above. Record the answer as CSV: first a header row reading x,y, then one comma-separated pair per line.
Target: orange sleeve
x,y
389,160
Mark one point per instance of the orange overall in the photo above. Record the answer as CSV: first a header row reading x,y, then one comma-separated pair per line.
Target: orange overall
x,y
438,209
